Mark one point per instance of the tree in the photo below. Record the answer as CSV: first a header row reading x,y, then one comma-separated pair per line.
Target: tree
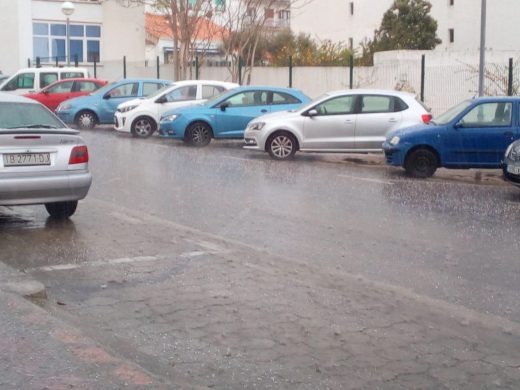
x,y
407,25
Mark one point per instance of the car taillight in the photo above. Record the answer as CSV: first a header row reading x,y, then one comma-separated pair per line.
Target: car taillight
x,y
79,155
426,118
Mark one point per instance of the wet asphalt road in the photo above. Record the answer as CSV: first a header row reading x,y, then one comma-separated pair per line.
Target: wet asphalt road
x,y
444,239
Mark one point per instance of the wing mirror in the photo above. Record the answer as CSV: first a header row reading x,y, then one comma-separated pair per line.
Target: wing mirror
x,y
223,106
161,100
312,112
107,96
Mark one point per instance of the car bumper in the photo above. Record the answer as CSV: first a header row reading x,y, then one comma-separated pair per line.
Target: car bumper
x,y
393,155
167,130
253,140
511,177
121,122
20,190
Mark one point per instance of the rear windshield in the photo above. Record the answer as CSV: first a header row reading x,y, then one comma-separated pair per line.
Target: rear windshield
x,y
22,115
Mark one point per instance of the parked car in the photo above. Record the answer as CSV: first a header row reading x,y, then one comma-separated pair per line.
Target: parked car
x,y
342,121
473,134
52,95
99,107
41,160
33,79
511,164
141,117
227,115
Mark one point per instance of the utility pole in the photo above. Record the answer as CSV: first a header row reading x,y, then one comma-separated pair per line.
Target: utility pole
x,y
482,65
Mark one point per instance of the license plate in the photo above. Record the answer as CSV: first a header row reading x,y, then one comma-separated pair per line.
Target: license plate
x,y
513,169
26,159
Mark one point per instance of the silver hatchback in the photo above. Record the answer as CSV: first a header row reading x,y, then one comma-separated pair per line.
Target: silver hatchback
x,y
342,121
41,160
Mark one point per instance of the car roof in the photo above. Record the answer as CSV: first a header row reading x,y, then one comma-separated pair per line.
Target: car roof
x,y
183,82
11,98
270,87
144,79
366,91
495,98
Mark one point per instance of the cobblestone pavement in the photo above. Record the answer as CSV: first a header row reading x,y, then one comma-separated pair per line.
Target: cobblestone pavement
x,y
220,314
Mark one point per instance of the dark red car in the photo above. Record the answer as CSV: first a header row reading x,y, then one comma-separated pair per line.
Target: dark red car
x,y
52,95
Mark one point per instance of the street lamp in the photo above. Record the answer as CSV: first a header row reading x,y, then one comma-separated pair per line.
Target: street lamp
x,y
68,9
482,62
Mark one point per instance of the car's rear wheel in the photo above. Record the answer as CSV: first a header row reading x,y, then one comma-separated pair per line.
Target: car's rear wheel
x,y
282,145
61,210
421,163
86,120
199,134
143,127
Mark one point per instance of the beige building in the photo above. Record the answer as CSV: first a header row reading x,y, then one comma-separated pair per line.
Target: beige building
x,y
100,31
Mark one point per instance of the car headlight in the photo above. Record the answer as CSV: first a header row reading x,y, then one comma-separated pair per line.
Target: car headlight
x,y
395,140
257,126
513,152
126,109
168,118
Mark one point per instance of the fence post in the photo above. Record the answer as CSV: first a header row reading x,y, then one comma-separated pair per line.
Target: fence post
x,y
290,71
510,79
75,60
56,61
95,68
423,71
197,68
38,62
351,72
158,67
240,70
124,67
28,62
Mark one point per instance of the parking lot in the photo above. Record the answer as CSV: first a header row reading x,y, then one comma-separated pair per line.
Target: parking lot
x,y
220,268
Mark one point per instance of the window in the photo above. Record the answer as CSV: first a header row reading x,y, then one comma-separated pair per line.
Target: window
x,y
351,7
452,35
284,15
284,98
125,90
488,115
72,75
208,91
23,80
188,92
248,98
49,42
150,88
377,104
47,79
85,86
269,13
340,105
61,87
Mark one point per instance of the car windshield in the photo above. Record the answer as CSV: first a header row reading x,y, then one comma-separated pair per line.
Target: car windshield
x,y
27,115
105,89
312,103
449,115
160,91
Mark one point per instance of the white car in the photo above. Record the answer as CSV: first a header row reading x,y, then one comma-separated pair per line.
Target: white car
x,y
141,117
337,122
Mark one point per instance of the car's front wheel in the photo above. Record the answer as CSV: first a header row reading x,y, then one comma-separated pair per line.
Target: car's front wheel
x,y
143,127
281,145
61,210
199,134
421,163
86,120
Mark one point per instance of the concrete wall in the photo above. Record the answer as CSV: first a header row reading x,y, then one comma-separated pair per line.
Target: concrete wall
x,y
14,35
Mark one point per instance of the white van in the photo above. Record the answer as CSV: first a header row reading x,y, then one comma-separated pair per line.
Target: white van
x,y
33,79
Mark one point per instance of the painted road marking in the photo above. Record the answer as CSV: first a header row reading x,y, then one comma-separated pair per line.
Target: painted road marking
x,y
378,181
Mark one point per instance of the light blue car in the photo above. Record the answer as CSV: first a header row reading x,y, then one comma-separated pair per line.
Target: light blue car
x,y
227,115
100,106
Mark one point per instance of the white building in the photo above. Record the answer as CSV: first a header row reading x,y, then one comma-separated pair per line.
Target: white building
x,y
100,30
353,21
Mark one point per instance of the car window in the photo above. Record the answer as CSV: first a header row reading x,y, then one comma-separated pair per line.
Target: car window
x,y
488,115
151,88
339,105
14,115
208,91
125,90
86,86
400,105
47,79
23,80
371,104
72,75
248,98
61,87
284,98
187,92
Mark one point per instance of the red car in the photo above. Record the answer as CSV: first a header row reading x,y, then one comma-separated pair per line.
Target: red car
x,y
52,95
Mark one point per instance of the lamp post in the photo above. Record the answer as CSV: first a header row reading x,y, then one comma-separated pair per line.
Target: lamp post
x,y
68,9
482,64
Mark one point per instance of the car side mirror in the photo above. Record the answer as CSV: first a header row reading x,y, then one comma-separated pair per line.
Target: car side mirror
x,y
223,106
161,100
458,125
106,96
45,92
312,112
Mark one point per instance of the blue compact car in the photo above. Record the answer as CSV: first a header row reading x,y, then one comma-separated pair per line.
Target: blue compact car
x,y
100,106
227,115
473,134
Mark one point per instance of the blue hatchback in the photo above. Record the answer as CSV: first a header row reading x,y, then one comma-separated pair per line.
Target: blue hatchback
x,y
99,107
227,115
473,134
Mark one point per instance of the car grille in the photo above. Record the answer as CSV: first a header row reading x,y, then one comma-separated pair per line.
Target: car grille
x,y
388,156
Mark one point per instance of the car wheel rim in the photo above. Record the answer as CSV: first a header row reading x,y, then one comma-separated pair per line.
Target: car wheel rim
x,y
143,127
282,146
86,120
200,134
422,164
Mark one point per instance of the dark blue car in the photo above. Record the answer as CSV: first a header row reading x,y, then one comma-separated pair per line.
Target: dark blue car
x,y
227,114
473,134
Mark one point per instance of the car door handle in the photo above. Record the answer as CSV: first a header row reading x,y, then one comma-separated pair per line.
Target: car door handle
x,y
349,121
264,110
392,120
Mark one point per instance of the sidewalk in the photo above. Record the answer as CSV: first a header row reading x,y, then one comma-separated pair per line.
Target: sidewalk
x,y
37,351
